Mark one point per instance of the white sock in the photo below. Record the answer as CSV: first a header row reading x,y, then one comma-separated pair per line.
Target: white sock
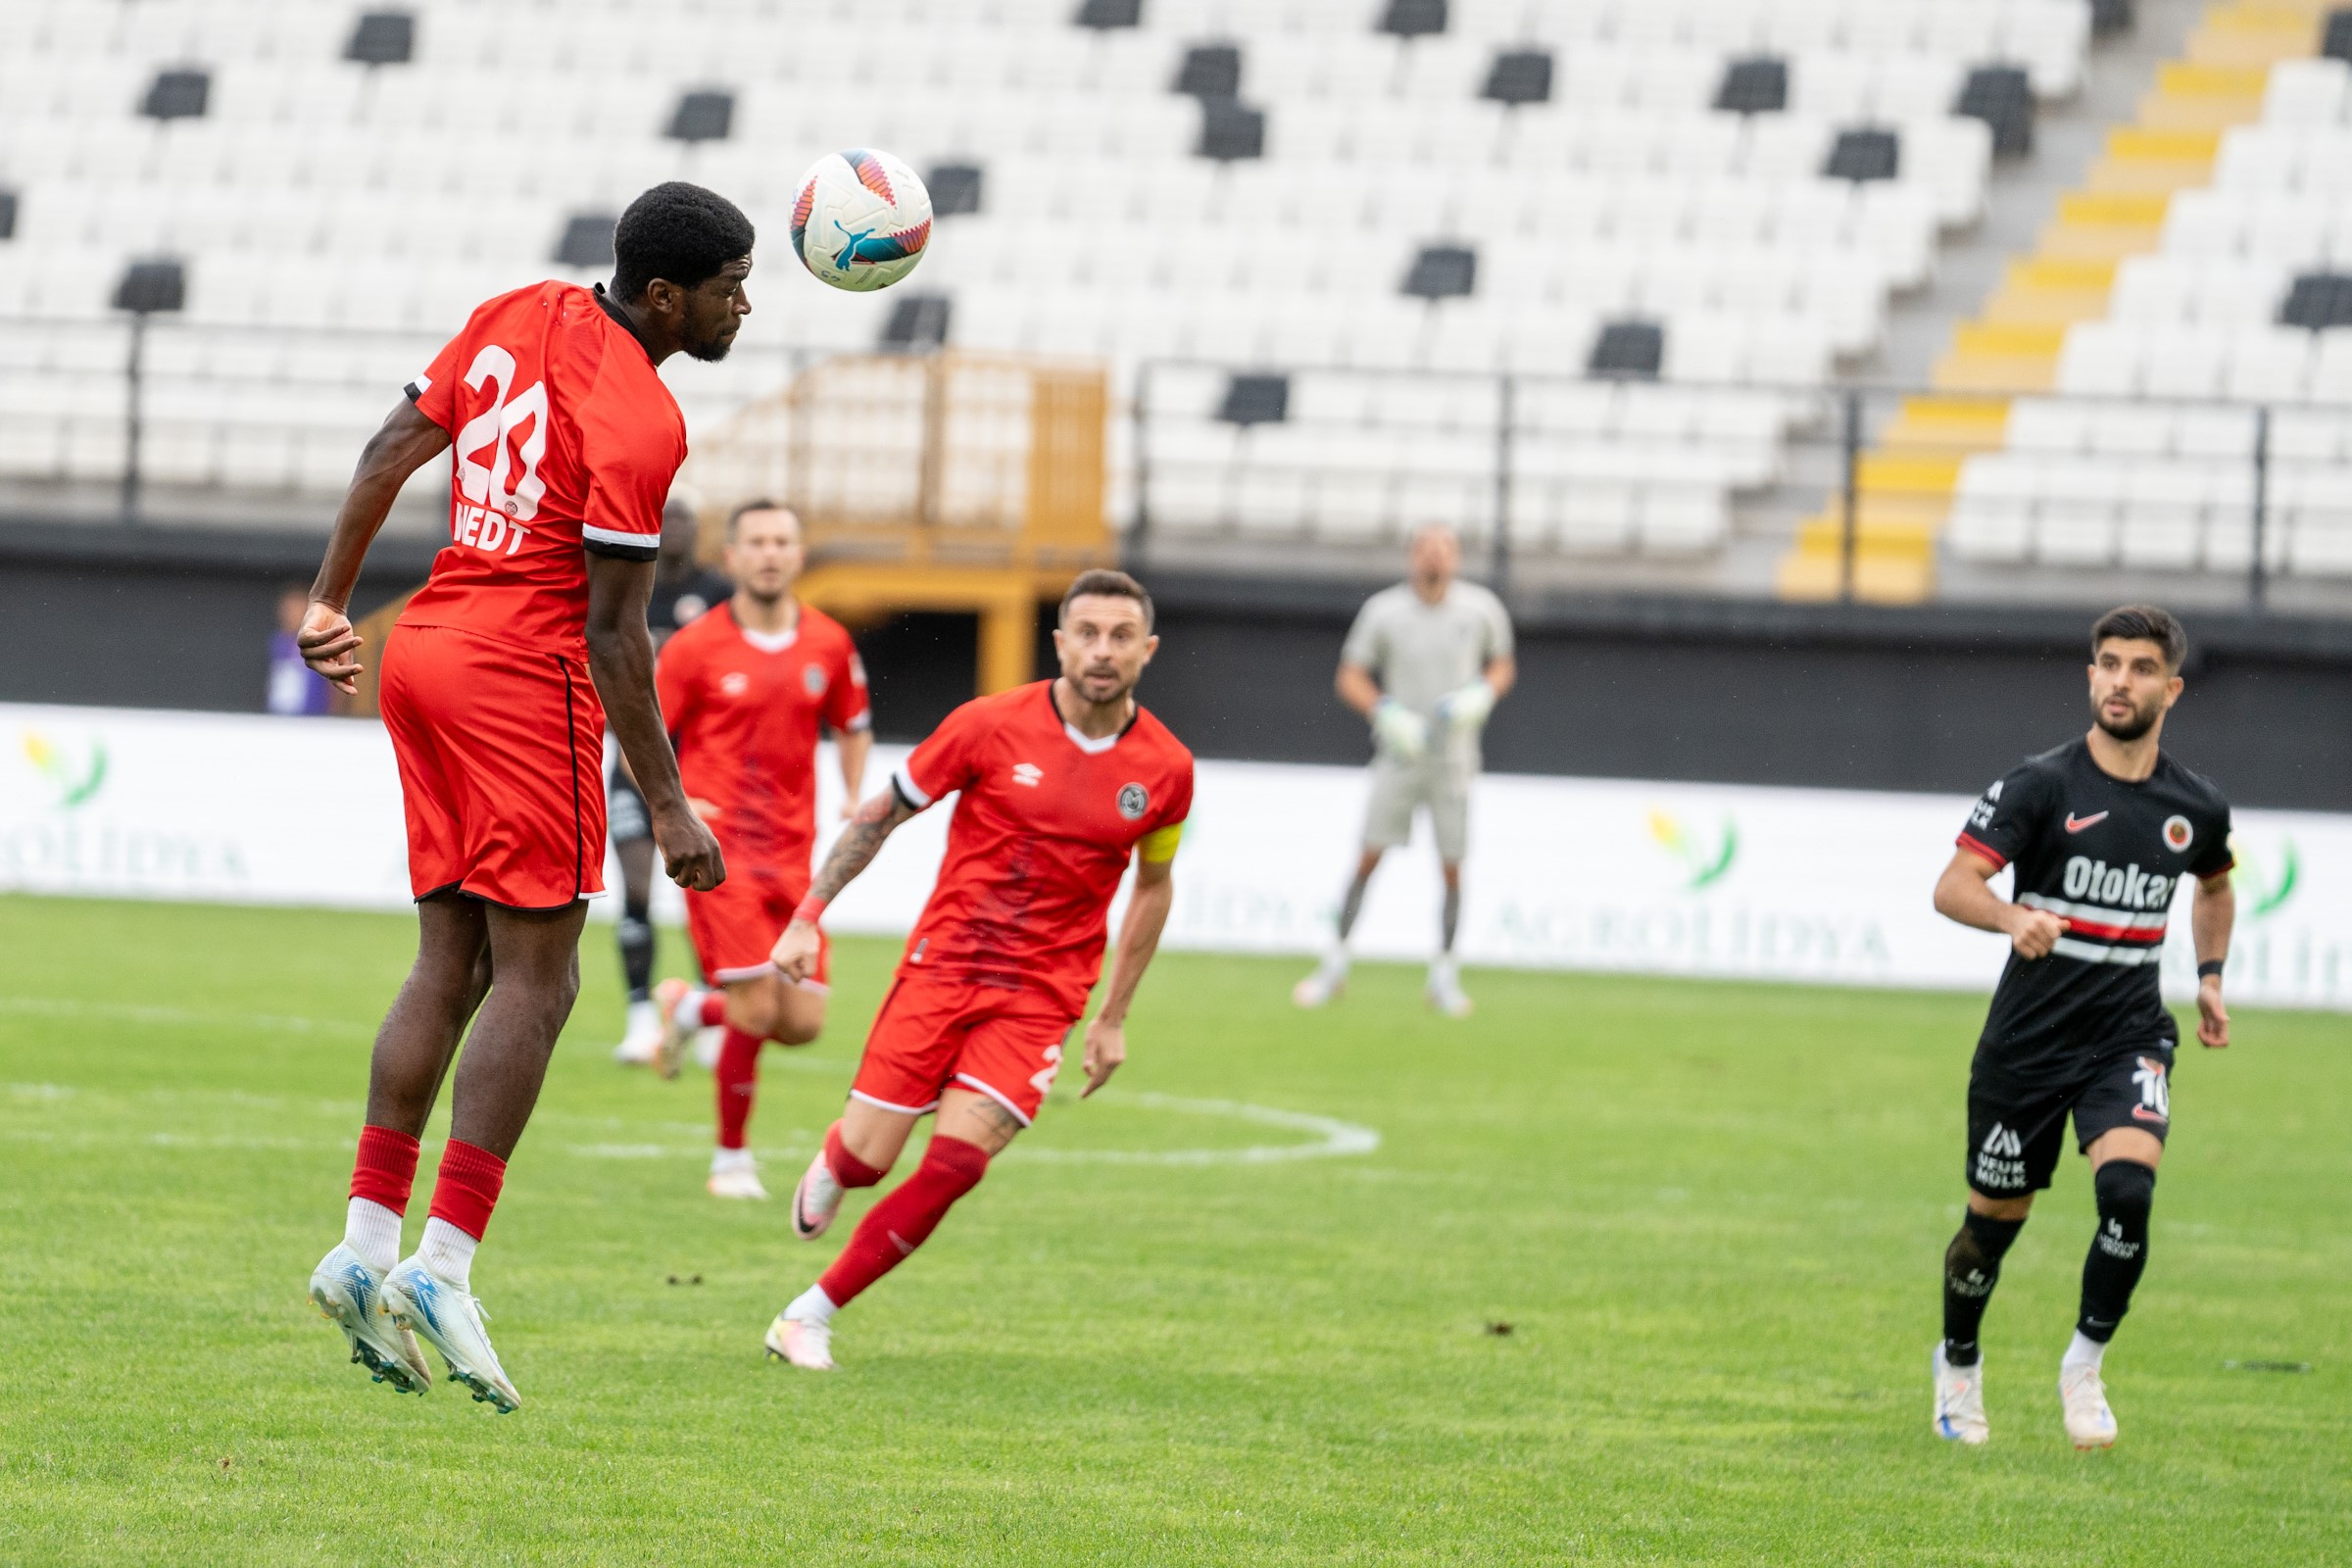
x,y
643,1017
2084,1352
726,1160
1441,970
690,1006
448,1252
373,1231
1335,960
812,1306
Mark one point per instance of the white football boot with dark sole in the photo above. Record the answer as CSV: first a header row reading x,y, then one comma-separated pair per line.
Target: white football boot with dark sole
x,y
450,1322
351,1296
816,1201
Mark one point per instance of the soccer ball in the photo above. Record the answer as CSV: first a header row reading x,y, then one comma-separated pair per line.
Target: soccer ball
x,y
861,220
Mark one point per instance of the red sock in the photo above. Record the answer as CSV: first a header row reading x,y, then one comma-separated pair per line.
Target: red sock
x,y
846,1168
467,1189
902,1222
738,1078
713,1010
386,1168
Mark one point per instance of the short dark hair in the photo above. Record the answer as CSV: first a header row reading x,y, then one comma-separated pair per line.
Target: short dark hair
x,y
2142,623
757,504
1109,584
676,232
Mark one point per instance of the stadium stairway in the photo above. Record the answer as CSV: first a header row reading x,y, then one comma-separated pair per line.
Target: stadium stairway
x,y
1907,481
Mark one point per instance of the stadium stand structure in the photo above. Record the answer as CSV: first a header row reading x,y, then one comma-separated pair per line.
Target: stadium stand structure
x,y
1571,266
2179,341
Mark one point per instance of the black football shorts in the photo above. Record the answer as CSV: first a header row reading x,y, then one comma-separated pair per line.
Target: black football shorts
x,y
2017,1126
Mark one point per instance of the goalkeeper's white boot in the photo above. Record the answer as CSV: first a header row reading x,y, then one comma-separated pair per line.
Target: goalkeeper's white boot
x,y
1959,1401
1445,991
1329,979
450,1320
2088,1420
351,1295
641,1038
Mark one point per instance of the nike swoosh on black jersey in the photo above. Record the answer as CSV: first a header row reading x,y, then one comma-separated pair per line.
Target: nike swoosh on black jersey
x,y
2075,824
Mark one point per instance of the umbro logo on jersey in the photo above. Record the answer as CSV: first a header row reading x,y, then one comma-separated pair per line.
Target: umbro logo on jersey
x,y
2002,1141
2080,825
734,683
1028,773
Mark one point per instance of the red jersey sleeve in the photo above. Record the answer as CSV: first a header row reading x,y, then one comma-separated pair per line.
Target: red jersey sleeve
x,y
945,763
675,683
434,391
631,461
847,707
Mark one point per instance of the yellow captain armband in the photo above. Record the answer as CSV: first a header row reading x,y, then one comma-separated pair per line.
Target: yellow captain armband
x,y
1159,844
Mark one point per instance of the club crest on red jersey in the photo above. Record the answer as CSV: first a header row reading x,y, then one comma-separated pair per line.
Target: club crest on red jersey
x,y
812,679
1133,802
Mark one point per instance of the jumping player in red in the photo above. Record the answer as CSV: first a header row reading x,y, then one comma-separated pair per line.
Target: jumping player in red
x,y
1061,785
745,691
496,685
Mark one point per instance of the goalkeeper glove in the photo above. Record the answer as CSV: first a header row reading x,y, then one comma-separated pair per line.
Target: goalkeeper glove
x,y
1402,731
1467,708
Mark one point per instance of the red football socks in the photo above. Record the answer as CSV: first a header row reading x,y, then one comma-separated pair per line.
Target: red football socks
x,y
386,1168
466,1190
902,1222
846,1168
713,1010
738,1078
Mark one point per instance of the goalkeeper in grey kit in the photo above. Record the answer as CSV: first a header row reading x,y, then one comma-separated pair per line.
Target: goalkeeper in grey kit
x,y
1425,663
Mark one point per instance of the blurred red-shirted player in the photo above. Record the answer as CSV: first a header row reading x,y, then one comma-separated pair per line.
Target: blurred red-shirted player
x,y
1061,785
495,684
745,691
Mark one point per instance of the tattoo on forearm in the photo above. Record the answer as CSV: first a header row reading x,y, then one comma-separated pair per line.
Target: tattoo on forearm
x,y
858,845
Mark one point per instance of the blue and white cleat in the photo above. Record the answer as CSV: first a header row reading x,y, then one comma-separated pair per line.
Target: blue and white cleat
x,y
2089,1423
351,1296
1960,1401
451,1321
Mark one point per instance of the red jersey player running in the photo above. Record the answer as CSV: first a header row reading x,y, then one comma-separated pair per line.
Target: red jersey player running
x,y
496,685
745,691
1061,785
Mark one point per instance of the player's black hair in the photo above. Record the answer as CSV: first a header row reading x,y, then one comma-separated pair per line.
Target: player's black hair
x,y
1110,584
676,232
2143,623
756,504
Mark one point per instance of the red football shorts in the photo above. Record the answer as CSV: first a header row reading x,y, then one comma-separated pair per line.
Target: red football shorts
x,y
938,1028
735,926
500,754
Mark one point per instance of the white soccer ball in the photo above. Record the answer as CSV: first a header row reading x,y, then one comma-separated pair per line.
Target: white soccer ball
x,y
861,219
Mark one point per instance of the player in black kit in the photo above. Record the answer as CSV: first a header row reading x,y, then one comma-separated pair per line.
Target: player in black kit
x,y
2102,832
683,590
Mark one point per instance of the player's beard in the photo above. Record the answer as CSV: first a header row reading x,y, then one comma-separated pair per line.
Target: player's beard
x,y
713,352
2142,720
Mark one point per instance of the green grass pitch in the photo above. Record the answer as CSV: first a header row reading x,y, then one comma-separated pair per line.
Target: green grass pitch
x,y
1711,1215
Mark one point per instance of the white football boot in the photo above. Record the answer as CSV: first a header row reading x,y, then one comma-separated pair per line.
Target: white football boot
x,y
816,1201
1445,990
735,1177
804,1345
2089,1421
450,1320
1960,1401
677,1034
1329,979
641,1038
351,1295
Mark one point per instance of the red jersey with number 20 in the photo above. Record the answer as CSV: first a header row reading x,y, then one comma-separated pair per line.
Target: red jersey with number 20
x,y
1045,826
745,710
566,440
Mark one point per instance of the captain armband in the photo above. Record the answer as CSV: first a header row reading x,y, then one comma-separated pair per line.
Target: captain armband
x,y
1160,845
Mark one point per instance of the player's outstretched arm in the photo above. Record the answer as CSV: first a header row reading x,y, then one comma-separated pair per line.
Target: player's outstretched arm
x,y
620,661
406,442
796,951
1964,893
2211,914
1138,939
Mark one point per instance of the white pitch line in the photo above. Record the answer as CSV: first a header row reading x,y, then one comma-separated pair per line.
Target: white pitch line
x,y
1339,1139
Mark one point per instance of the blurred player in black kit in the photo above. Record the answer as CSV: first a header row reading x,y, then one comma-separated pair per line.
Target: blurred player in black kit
x,y
2102,832
684,590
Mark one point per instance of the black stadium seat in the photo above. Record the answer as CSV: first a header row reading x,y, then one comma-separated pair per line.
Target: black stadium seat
x,y
587,240
1413,19
1754,86
1255,400
1629,351
2318,301
1520,76
1231,129
8,215
708,114
1210,71
1862,155
2335,41
954,189
2001,96
150,286
918,322
1443,272
382,39
1106,14
178,95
